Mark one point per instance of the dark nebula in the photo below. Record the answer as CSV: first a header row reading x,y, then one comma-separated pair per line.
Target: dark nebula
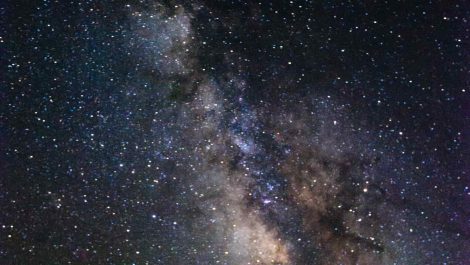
x,y
231,132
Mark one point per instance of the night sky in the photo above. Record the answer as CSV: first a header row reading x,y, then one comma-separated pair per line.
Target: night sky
x,y
234,132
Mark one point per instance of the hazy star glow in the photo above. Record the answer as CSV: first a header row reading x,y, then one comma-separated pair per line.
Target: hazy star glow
x,y
234,132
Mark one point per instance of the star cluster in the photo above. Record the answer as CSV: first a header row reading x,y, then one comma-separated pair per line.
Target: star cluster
x,y
234,132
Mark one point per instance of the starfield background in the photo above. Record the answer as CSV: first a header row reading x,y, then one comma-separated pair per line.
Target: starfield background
x,y
234,132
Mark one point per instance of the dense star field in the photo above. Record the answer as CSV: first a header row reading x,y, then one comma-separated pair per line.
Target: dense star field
x,y
234,132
